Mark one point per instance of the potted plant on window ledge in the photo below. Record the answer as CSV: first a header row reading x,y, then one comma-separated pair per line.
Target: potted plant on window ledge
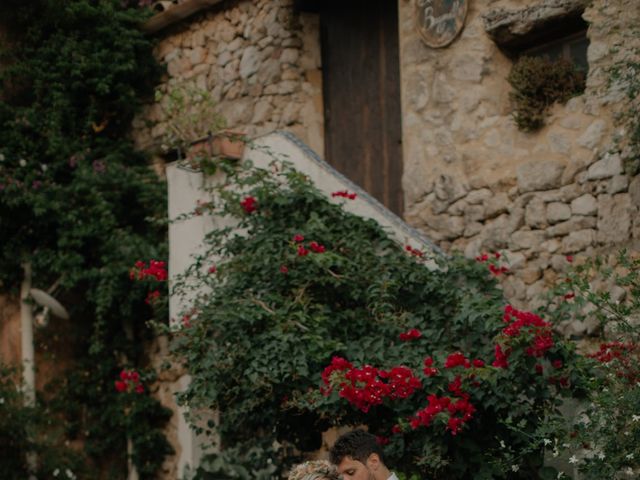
x,y
196,132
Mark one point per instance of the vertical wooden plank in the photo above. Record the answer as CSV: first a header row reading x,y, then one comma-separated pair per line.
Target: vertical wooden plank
x,y
362,95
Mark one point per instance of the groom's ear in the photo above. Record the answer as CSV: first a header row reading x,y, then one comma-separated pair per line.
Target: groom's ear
x,y
373,462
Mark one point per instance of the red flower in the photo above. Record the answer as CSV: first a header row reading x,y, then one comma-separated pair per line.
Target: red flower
x,y
569,296
396,429
283,269
412,334
298,238
156,270
569,258
139,389
316,247
152,297
344,194
501,357
557,364
414,251
121,386
212,269
302,251
539,369
457,359
478,363
249,204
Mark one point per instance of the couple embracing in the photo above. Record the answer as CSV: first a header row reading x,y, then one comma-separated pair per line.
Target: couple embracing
x,y
356,455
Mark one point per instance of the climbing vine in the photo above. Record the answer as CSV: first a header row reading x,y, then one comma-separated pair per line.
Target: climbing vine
x,y
80,205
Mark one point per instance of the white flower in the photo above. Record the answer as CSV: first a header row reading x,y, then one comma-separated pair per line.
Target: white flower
x,y
601,455
515,468
629,457
560,475
627,433
546,441
1,157
22,162
565,445
635,418
555,452
69,473
56,472
1,401
573,459
629,471
502,445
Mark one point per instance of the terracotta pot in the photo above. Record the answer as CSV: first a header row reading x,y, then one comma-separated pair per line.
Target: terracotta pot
x,y
229,144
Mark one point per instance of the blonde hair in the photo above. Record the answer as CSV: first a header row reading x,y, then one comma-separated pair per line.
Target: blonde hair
x,y
314,470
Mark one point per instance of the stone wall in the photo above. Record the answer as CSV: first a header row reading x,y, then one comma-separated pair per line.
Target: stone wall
x,y
260,60
473,182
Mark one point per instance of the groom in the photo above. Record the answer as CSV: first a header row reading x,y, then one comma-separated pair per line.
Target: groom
x,y
359,457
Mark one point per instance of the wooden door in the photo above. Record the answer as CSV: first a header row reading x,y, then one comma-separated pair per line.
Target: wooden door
x,y
361,87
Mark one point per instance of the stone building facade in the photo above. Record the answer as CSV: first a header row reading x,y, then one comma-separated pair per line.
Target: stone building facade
x,y
472,181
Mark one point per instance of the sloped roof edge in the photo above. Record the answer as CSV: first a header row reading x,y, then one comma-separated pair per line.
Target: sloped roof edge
x,y
176,13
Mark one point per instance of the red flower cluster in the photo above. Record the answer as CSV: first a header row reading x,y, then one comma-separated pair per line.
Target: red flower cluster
x,y
129,382
414,251
412,334
621,355
493,267
249,204
532,323
344,194
402,382
156,270
368,386
447,406
429,370
501,360
313,246
152,297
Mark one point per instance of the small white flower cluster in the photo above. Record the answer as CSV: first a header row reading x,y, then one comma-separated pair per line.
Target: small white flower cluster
x,y
70,475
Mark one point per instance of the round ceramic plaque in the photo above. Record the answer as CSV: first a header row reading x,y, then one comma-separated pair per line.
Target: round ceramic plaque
x,y
440,21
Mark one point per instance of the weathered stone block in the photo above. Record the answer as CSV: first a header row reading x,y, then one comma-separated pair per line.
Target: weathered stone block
x,y
544,175
634,191
592,135
535,213
614,218
584,205
617,184
250,61
574,223
578,241
609,166
558,212
496,205
523,239
478,196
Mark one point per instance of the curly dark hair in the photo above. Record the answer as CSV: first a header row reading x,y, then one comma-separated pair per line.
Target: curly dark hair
x,y
357,444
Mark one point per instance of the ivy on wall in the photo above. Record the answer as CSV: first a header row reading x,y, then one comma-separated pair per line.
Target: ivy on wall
x,y
81,205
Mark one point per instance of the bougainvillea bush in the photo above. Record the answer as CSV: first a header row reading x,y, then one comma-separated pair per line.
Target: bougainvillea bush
x,y
305,316
602,440
80,205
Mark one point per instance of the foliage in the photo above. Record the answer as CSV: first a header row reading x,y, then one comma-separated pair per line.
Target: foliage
x,y
604,437
191,115
538,83
78,203
297,281
25,431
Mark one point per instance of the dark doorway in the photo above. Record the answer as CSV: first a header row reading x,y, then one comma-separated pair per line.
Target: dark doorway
x,y
361,86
